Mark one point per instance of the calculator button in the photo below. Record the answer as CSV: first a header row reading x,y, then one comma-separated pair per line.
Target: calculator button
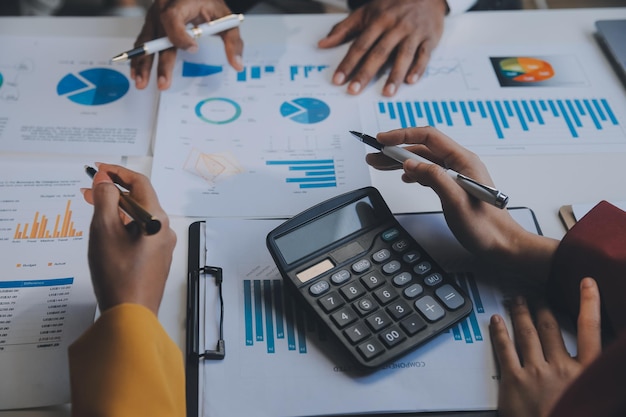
x,y
430,308
340,277
390,234
381,256
331,302
392,267
413,324
400,246
343,317
450,297
392,336
402,279
370,349
411,256
361,266
378,320
398,309
365,306
413,291
372,280
385,294
352,291
422,268
433,279
356,333
319,288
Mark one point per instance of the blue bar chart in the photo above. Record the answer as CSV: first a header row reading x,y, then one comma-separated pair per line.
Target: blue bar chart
x,y
506,118
272,318
255,72
308,173
305,71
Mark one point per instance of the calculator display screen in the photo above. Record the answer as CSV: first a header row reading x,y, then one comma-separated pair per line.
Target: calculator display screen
x,y
325,230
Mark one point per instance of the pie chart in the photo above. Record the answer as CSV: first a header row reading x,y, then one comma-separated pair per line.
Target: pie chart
x,y
524,69
93,87
305,110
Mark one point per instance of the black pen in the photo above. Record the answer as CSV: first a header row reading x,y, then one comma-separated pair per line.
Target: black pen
x,y
148,223
480,191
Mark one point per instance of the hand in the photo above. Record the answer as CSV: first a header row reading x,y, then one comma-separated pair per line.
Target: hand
x,y
126,265
400,32
169,18
532,381
481,228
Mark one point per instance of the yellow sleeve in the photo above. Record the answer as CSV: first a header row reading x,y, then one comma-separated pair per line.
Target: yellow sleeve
x,y
125,364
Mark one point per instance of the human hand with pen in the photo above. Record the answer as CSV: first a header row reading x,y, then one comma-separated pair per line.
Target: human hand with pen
x,y
126,264
401,33
481,228
168,18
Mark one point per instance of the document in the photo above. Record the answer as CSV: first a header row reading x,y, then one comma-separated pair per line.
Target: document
x,y
512,100
61,95
46,296
273,139
270,140
284,364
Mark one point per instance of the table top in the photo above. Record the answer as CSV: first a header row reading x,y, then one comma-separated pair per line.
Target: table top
x,y
542,182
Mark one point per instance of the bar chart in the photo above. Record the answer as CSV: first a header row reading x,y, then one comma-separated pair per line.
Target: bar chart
x,y
506,118
468,329
42,227
308,173
272,318
305,71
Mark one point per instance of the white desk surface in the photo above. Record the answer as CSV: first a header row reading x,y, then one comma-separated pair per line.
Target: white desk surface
x,y
541,182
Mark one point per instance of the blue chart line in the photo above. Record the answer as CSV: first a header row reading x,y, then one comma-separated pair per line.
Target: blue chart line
x,y
469,329
193,69
254,72
271,316
304,70
504,115
306,174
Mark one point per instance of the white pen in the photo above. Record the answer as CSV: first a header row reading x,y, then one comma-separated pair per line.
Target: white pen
x,y
480,191
210,28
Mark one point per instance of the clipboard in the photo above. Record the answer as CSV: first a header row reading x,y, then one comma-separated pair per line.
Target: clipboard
x,y
197,275
213,386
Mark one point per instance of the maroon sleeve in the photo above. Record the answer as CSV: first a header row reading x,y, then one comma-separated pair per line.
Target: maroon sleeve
x,y
595,247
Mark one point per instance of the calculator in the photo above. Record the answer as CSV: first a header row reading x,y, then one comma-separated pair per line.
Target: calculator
x,y
368,280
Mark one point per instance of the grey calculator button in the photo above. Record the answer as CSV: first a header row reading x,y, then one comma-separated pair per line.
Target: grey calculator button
x,y
319,288
392,336
330,302
430,308
422,268
411,256
370,349
361,266
400,246
391,267
372,280
402,279
433,279
381,256
340,277
356,333
365,305
450,297
413,291
343,317
413,324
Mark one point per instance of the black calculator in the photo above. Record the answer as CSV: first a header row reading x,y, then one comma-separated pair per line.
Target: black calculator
x,y
365,277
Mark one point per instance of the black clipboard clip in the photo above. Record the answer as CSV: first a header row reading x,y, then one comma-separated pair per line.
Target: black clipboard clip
x,y
193,302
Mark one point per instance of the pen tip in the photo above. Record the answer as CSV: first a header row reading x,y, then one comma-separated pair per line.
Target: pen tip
x,y
120,58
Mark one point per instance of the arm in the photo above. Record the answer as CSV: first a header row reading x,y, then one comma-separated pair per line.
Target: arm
x,y
402,33
125,364
168,18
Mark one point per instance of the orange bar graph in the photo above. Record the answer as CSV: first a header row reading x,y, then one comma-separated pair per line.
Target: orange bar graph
x,y
39,228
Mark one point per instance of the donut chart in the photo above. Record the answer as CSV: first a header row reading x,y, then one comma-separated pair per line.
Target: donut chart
x,y
526,69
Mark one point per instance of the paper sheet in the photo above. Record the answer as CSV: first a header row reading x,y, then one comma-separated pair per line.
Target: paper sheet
x,y
284,364
46,296
60,95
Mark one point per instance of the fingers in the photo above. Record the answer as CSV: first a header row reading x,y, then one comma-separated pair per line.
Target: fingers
x,y
503,345
525,333
233,46
549,333
589,329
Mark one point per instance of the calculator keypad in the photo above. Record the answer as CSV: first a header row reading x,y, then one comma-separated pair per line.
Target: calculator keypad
x,y
386,300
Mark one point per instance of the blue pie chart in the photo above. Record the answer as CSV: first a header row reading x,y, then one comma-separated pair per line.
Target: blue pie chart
x,y
305,110
94,87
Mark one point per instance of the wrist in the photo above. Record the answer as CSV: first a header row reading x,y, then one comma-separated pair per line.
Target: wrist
x,y
530,254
